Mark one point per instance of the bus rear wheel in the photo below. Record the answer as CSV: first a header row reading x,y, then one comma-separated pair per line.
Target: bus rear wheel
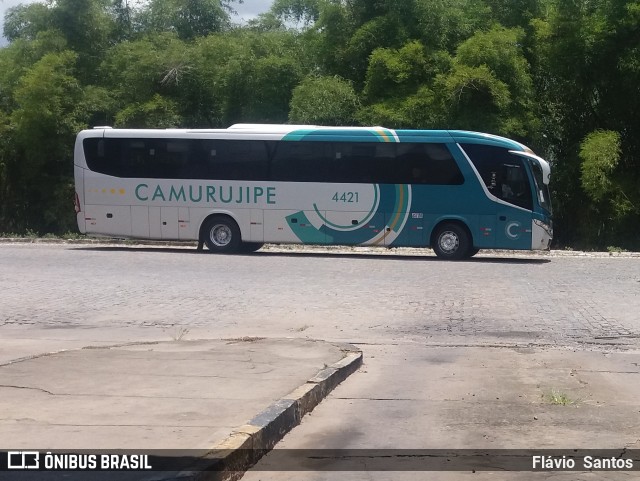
x,y
451,242
222,234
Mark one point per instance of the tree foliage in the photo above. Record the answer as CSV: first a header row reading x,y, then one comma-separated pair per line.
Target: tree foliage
x,y
561,76
600,154
324,101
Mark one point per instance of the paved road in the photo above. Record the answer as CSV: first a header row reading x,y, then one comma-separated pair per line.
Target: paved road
x,y
133,292
466,354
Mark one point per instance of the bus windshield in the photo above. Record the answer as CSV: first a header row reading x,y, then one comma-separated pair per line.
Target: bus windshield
x,y
542,189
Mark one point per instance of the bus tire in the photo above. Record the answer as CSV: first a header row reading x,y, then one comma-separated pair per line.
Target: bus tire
x,y
472,252
222,235
452,242
251,246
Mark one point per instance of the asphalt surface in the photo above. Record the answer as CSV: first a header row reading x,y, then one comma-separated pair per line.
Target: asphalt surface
x,y
115,347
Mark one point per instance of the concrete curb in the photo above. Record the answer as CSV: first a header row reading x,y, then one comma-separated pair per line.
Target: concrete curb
x,y
230,459
317,249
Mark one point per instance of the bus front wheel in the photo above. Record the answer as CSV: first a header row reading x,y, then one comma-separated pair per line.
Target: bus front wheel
x,y
451,242
222,234
251,246
472,252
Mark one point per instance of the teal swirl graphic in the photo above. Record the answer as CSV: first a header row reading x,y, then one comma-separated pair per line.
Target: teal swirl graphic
x,y
389,211
391,215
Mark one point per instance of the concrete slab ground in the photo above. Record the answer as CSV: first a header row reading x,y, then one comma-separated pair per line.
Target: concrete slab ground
x,y
179,395
477,398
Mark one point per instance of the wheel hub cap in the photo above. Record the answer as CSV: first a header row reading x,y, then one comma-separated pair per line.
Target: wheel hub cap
x,y
221,235
449,242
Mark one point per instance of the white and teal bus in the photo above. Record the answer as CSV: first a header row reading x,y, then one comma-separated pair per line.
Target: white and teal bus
x,y
237,188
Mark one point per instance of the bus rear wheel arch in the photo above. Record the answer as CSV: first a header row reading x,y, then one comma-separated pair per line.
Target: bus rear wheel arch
x,y
221,234
452,241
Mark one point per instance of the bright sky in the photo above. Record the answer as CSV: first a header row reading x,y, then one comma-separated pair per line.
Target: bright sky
x,y
246,11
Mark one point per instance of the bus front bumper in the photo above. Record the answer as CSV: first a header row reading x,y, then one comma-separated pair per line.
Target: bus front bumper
x,y
541,235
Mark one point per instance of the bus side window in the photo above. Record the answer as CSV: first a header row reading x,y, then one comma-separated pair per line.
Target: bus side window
x,y
513,182
426,163
137,157
356,163
94,153
410,164
172,158
233,159
300,162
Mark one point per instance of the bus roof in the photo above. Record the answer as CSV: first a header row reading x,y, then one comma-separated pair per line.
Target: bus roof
x,y
318,133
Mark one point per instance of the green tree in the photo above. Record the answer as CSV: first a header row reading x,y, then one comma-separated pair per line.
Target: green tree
x,y
271,85
474,99
43,127
88,26
304,12
324,101
7,179
490,87
25,21
514,13
615,198
157,113
124,18
585,64
329,38
137,71
383,31
189,19
444,24
396,73
398,87
247,79
600,154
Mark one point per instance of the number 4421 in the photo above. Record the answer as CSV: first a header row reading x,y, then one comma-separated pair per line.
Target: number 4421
x,y
347,197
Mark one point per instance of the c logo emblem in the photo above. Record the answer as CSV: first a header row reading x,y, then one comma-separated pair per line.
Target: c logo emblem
x,y
513,230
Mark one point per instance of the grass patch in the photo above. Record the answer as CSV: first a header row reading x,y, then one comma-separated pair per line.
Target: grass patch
x,y
557,398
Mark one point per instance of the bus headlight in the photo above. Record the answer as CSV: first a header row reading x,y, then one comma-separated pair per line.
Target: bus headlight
x,y
546,227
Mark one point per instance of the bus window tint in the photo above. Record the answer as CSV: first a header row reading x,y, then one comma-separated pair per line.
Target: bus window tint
x,y
178,158
503,173
140,158
365,163
232,160
339,162
171,158
360,163
427,164
301,162
94,153
392,163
